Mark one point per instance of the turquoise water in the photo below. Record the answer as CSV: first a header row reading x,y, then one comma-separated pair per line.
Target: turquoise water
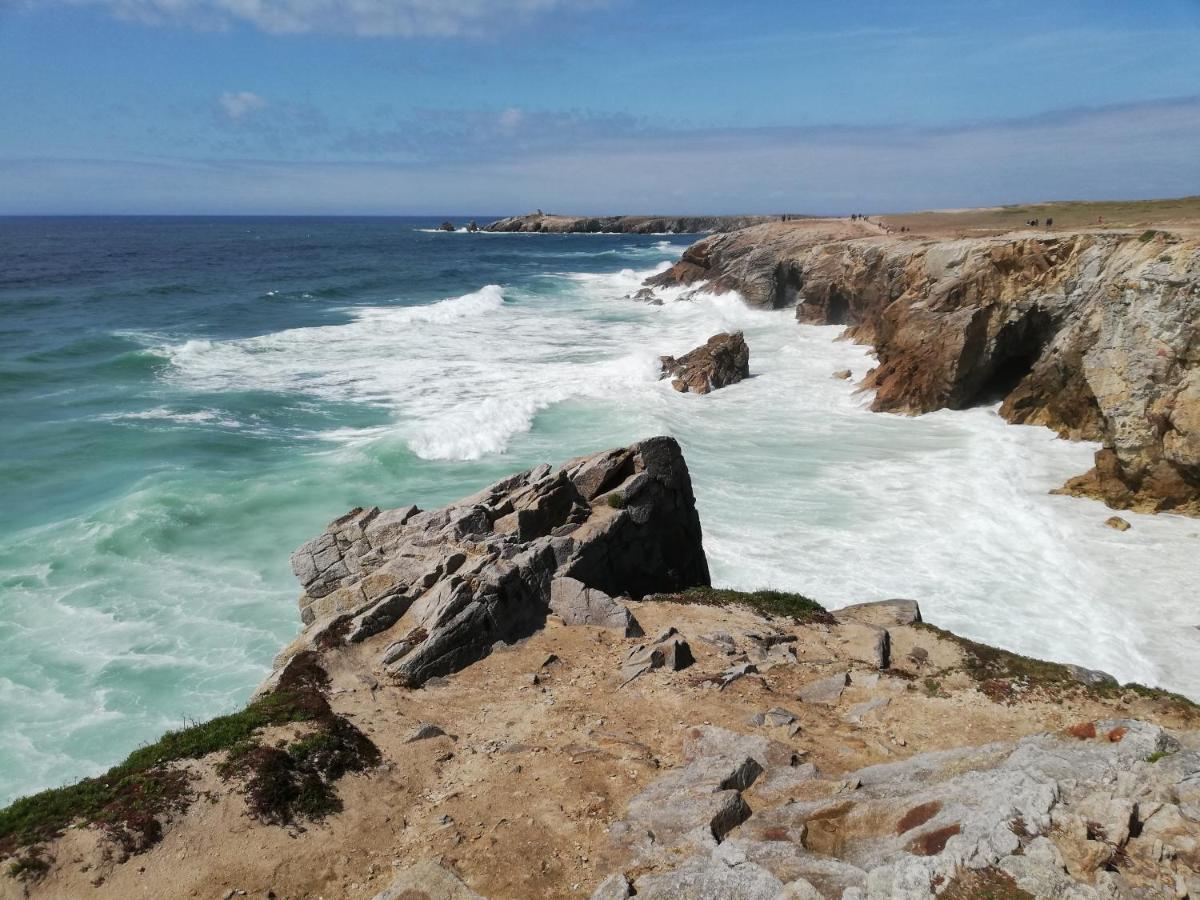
x,y
186,400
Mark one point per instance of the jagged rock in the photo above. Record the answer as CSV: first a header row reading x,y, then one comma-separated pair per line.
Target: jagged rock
x,y
446,226
1089,334
1051,811
472,226
646,295
668,651
723,360
1118,523
577,604
483,570
843,374
1092,677
426,880
825,690
778,717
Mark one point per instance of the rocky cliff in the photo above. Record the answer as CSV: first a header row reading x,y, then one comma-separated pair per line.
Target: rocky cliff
x,y
553,224
475,709
1096,335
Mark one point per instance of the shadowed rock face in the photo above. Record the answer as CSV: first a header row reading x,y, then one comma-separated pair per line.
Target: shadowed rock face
x,y
1094,335
491,567
551,224
724,359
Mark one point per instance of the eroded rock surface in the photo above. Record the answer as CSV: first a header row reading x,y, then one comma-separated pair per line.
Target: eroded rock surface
x,y
1092,334
1053,815
722,360
489,568
555,224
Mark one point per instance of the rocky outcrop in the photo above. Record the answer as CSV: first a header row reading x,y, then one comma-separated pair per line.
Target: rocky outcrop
x,y
490,568
723,359
552,224
1094,335
1089,813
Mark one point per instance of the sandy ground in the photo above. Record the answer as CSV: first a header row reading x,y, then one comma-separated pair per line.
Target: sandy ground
x,y
517,800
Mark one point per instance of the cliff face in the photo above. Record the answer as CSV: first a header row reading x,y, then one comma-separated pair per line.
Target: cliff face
x,y
551,224
475,710
1094,335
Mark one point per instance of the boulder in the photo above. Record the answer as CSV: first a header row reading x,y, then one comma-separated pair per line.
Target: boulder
x,y
825,690
1118,523
577,604
446,226
723,360
490,567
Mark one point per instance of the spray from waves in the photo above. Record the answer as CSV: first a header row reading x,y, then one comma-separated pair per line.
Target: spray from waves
x,y
880,505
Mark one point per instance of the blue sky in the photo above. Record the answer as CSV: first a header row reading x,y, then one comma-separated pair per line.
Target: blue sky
x,y
496,106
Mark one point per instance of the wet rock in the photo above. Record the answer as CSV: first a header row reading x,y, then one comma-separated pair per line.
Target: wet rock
x,y
446,226
1118,523
843,374
646,295
723,360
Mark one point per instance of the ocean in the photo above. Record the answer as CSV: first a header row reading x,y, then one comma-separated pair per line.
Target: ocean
x,y
185,400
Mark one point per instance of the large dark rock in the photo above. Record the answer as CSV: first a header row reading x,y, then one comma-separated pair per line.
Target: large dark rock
x,y
723,360
491,567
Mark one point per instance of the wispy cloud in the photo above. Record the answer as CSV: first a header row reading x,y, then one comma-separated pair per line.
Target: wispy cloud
x,y
364,18
239,104
595,164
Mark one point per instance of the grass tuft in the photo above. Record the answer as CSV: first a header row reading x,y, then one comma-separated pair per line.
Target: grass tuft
x,y
129,801
768,602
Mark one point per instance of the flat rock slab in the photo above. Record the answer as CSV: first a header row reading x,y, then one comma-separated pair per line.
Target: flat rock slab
x,y
883,613
427,880
825,690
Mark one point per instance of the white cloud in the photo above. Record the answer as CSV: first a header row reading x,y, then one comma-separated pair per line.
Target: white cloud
x,y
239,104
365,18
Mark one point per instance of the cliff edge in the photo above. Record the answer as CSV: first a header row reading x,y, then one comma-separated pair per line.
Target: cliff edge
x,y
533,693
1093,334
555,224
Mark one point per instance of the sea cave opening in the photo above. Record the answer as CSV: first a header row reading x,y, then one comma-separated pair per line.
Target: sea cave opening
x,y
1004,378
837,311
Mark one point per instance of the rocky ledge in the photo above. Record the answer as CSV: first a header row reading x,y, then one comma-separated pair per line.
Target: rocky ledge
x,y
1096,335
475,710
554,224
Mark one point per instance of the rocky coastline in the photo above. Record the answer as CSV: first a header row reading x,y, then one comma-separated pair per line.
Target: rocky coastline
x,y
1095,335
557,224
533,692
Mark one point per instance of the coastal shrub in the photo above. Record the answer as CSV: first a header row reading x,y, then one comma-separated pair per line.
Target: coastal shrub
x,y
30,865
768,602
129,800
1147,235
616,500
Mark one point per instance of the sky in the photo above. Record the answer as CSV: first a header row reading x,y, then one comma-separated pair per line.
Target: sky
x,y
431,107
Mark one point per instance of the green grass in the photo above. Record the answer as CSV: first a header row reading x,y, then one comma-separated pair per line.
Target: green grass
x,y
991,665
773,603
127,799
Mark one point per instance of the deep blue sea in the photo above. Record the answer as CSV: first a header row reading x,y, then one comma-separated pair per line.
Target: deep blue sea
x,y
185,400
